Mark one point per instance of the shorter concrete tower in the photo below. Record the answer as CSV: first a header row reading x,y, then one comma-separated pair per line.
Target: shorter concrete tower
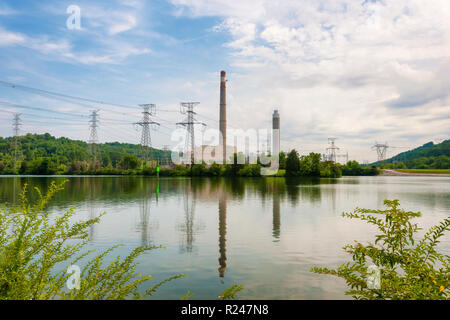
x,y
275,133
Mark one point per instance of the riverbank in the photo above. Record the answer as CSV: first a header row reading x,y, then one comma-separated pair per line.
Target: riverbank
x,y
413,173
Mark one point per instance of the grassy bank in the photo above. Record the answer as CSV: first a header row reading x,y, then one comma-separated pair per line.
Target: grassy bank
x,y
425,171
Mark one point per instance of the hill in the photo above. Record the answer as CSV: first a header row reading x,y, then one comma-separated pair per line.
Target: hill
x,y
34,148
428,156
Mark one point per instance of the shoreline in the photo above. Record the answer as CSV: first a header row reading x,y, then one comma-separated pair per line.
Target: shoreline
x,y
393,173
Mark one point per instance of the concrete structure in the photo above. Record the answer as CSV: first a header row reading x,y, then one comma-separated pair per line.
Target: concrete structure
x,y
223,113
276,133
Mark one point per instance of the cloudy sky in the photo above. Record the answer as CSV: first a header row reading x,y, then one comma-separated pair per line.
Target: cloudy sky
x,y
358,70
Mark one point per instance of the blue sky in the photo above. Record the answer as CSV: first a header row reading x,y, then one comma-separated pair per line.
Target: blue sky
x,y
360,71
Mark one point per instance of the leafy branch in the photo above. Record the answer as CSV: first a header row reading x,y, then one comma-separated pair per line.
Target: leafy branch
x,y
407,270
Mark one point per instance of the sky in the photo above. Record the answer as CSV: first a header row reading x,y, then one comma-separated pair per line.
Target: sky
x,y
362,71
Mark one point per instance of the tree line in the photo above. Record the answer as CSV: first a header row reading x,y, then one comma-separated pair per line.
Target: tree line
x,y
43,154
439,162
312,166
46,155
428,156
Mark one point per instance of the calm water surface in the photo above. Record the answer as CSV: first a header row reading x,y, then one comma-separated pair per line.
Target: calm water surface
x,y
262,233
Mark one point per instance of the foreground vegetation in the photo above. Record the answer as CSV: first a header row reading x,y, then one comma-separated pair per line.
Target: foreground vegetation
x,y
34,246
408,269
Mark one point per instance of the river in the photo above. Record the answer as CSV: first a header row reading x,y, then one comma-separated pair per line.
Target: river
x,y
262,233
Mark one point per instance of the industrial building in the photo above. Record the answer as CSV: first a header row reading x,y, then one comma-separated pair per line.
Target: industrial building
x,y
222,153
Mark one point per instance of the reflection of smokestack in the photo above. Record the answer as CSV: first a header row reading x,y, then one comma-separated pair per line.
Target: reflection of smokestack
x,y
276,133
276,216
223,113
222,235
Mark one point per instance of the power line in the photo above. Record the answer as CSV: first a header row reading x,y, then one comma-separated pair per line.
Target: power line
x,y
64,97
8,104
113,132
45,92
209,118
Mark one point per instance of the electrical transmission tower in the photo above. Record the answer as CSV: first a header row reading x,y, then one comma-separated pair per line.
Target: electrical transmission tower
x,y
331,150
93,138
188,109
166,154
146,139
16,130
343,156
381,150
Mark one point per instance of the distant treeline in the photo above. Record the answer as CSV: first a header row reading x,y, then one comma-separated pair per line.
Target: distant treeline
x,y
312,166
47,155
44,154
428,156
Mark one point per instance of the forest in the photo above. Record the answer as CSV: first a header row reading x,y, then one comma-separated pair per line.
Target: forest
x,y
428,156
46,155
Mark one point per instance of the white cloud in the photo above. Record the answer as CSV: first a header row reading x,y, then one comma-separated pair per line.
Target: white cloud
x,y
114,55
111,21
124,23
8,38
112,52
359,70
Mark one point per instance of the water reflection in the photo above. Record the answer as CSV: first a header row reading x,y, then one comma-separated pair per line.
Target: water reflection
x,y
248,218
92,213
120,190
222,233
146,229
115,190
276,217
189,227
14,191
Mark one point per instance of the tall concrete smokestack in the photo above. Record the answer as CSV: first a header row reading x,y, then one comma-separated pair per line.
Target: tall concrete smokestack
x,y
276,133
223,114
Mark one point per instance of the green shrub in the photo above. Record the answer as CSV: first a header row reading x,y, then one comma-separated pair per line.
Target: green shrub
x,y
292,164
149,171
199,170
281,173
129,162
408,270
330,170
33,245
215,170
